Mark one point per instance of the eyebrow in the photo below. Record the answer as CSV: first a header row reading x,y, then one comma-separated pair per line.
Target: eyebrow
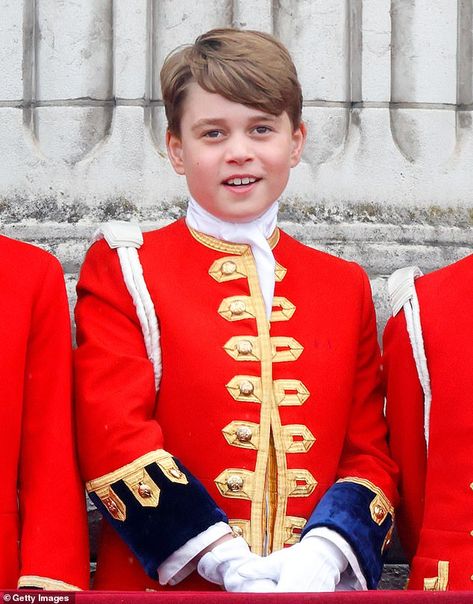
x,y
206,122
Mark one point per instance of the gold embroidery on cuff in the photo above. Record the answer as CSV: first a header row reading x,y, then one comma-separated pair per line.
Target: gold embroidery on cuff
x,y
439,583
115,506
242,434
289,393
293,528
282,309
235,483
243,348
280,272
235,308
36,581
241,528
285,349
144,489
227,269
300,483
380,505
245,388
297,438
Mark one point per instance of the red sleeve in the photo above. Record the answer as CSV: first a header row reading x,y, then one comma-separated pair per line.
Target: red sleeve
x,y
115,390
405,414
51,496
365,453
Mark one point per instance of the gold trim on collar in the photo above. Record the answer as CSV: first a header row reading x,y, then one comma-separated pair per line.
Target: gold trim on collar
x,y
225,246
439,583
36,581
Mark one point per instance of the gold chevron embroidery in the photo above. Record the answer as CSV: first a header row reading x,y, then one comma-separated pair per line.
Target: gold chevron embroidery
x,y
245,388
115,506
242,434
243,348
282,309
380,506
236,483
228,268
235,308
144,489
280,272
285,349
440,582
293,528
241,528
297,438
289,393
301,483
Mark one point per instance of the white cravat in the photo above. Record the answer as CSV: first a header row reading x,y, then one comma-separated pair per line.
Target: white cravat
x,y
254,233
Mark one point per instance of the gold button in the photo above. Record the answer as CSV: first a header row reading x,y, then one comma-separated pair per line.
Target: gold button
x,y
228,268
237,307
246,387
175,472
244,434
379,512
234,483
144,490
471,533
244,347
471,485
237,531
471,578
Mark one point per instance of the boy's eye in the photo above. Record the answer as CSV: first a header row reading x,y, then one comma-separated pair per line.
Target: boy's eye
x,y
262,129
212,134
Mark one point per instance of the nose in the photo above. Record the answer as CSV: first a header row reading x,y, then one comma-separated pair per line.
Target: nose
x,y
239,149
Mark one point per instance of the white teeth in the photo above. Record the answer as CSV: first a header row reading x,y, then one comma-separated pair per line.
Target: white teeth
x,y
241,181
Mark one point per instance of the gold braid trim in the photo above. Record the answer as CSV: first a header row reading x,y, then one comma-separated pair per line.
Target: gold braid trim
x,y
228,247
45,583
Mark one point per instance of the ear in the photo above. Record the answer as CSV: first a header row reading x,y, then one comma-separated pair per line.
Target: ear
x,y
299,136
174,147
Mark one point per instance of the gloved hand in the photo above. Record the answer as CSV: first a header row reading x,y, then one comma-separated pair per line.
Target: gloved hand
x,y
312,565
221,566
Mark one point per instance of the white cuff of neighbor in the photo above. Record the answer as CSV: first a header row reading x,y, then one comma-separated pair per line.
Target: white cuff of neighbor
x,y
353,578
180,564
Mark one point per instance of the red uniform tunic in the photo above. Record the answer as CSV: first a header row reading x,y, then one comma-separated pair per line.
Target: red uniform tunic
x,y
436,512
267,415
43,526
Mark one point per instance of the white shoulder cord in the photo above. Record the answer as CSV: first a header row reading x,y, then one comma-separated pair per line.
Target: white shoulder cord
x,y
127,238
403,295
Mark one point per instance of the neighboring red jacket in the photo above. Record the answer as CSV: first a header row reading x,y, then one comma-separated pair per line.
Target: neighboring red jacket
x,y
266,420
436,512
43,526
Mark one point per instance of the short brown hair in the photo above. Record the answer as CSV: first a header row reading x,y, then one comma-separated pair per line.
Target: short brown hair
x,y
244,66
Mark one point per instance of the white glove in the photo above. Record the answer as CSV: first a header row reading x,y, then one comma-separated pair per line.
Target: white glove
x,y
221,566
312,565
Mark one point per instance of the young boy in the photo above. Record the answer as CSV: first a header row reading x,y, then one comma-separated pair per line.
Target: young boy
x,y
429,385
43,525
270,391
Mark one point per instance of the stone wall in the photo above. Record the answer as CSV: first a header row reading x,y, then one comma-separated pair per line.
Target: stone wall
x,y
386,176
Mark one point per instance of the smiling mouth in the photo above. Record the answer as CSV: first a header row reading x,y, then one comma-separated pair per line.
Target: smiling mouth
x,y
238,182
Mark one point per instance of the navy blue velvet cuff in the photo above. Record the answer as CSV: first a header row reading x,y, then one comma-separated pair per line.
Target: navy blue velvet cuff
x,y
355,512
154,533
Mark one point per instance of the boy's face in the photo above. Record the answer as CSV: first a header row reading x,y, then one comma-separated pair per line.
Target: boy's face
x,y
236,159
